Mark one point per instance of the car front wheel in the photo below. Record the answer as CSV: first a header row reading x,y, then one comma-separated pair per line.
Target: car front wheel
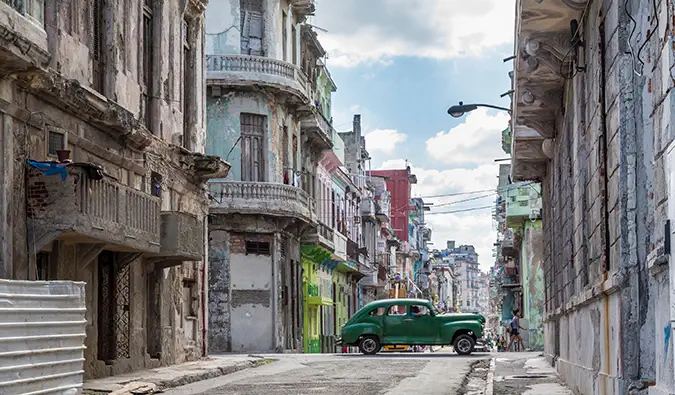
x,y
369,345
463,344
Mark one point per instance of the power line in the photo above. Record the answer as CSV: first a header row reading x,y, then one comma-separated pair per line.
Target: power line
x,y
463,200
495,190
461,211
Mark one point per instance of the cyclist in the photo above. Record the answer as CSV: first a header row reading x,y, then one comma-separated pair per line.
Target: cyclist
x,y
515,329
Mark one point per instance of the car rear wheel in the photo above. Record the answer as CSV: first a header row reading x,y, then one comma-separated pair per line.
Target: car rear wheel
x,y
369,345
463,344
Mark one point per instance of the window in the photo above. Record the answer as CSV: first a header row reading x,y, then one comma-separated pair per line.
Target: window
x,y
251,27
42,262
258,248
294,45
252,147
188,75
156,184
147,69
56,141
419,310
96,48
396,310
284,35
377,312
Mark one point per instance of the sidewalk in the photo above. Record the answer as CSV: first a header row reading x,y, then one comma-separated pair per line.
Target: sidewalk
x,y
527,374
155,380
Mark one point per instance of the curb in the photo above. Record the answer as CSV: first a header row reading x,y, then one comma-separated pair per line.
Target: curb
x,y
161,385
211,373
489,389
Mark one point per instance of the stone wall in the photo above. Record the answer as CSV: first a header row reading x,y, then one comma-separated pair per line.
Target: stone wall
x,y
163,325
598,235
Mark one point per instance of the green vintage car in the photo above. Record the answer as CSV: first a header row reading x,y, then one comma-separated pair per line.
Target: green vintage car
x,y
410,322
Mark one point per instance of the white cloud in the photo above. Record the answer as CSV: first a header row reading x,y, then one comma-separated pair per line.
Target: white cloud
x,y
384,140
374,31
473,142
447,218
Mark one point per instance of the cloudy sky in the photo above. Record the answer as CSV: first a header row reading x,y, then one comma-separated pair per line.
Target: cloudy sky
x,y
401,64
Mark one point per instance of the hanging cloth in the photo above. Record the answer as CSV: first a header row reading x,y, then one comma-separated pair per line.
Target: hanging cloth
x,y
49,169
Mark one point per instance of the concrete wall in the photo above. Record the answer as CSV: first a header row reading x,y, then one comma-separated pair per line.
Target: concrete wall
x,y
252,315
164,325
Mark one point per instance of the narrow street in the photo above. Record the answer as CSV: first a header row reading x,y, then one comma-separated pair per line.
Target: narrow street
x,y
346,374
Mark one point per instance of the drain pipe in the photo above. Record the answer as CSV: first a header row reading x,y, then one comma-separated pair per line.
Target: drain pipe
x,y
205,289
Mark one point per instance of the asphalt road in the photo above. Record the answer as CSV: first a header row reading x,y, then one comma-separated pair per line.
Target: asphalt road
x,y
344,374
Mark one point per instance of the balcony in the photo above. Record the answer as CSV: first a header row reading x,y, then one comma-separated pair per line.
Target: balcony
x,y
318,131
250,72
368,208
383,209
543,39
23,40
261,198
508,245
340,242
88,211
353,251
303,8
322,236
181,238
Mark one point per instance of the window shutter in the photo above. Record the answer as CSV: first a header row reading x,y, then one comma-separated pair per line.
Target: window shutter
x,y
245,28
255,33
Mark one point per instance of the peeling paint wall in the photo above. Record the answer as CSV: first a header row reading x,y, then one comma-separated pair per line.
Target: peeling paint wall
x,y
224,129
533,284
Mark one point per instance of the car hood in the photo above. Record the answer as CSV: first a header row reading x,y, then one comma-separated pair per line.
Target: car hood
x,y
462,317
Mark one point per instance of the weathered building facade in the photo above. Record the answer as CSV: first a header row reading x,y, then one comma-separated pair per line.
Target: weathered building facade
x,y
103,169
262,116
592,121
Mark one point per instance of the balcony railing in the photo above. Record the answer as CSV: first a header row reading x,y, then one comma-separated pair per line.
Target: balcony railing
x,y
321,235
25,41
242,70
264,198
340,242
319,130
353,250
87,211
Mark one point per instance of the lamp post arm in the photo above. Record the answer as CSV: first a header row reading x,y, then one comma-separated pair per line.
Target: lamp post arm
x,y
495,107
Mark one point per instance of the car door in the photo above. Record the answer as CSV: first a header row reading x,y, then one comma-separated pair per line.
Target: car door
x,y
396,324
424,326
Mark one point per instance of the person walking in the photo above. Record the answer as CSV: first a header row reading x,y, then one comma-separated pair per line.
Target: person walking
x,y
515,331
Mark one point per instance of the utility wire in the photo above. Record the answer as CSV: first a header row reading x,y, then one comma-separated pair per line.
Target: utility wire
x,y
463,200
494,190
461,211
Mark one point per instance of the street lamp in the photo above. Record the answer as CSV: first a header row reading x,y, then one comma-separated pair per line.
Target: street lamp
x,y
461,109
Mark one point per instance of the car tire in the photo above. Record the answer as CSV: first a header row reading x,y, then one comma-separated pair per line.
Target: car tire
x,y
463,345
369,345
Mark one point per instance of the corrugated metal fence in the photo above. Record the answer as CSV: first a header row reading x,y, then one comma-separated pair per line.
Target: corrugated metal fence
x,y
42,331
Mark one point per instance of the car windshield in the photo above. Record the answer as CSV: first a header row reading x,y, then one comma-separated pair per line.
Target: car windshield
x,y
434,310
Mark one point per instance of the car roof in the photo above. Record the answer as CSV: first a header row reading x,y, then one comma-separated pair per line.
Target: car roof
x,y
386,302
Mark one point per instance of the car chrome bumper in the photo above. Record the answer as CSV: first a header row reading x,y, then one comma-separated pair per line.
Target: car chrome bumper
x,y
338,340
